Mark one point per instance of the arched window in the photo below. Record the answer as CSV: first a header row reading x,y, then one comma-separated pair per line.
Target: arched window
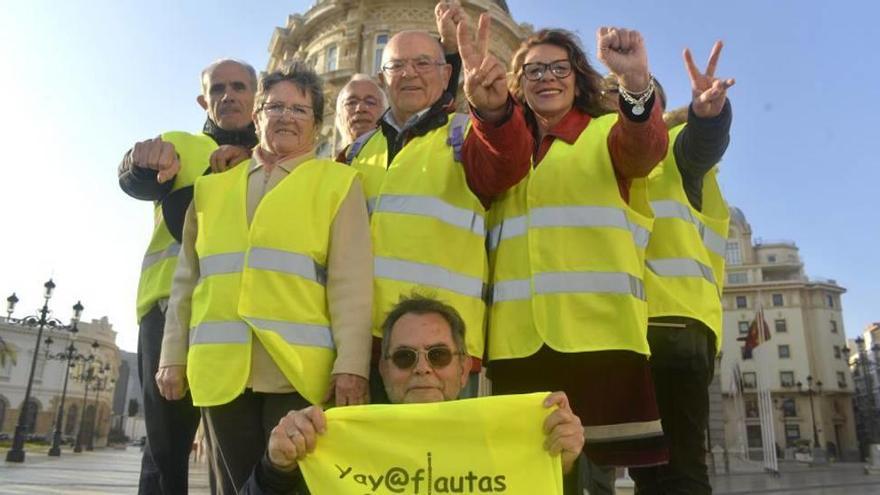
x,y
30,415
3,405
70,424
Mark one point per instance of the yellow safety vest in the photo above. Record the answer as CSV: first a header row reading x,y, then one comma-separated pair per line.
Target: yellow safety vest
x,y
567,255
266,280
159,262
685,256
428,228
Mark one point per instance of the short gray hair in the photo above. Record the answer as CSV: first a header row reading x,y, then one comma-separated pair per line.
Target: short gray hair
x,y
244,65
301,75
340,105
421,305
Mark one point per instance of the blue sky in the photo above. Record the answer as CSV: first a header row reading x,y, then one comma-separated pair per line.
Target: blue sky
x,y
84,80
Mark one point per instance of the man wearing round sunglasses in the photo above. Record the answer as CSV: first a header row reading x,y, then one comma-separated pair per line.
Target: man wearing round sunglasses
x,y
423,360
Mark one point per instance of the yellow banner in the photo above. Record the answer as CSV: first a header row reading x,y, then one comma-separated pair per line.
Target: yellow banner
x,y
485,445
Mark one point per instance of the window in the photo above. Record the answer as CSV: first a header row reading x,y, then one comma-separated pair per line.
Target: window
x,y
6,372
41,366
792,434
780,326
841,379
743,327
789,408
751,408
833,326
330,61
771,258
753,432
830,299
784,351
738,278
786,378
381,41
750,380
837,352
742,302
777,300
732,253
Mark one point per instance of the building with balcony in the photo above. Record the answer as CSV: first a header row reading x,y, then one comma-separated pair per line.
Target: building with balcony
x,y
807,346
340,38
864,362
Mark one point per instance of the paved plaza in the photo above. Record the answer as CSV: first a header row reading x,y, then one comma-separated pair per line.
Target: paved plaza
x,y
104,471
110,471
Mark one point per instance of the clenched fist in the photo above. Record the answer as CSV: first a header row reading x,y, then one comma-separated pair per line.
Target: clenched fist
x,y
157,155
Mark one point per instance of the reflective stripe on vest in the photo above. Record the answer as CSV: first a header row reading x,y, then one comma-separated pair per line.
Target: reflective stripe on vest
x,y
570,282
220,332
153,258
569,216
298,333
217,264
434,208
428,275
264,259
674,209
681,267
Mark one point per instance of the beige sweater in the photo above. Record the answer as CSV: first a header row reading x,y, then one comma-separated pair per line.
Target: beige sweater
x,y
349,284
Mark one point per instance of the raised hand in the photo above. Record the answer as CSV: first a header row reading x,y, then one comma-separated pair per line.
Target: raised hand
x,y
485,78
623,52
709,92
158,155
448,15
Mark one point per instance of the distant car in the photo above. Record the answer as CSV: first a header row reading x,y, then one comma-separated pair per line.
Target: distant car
x,y
5,436
139,442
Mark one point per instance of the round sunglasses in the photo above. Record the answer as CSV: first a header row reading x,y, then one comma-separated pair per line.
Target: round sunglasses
x,y
438,357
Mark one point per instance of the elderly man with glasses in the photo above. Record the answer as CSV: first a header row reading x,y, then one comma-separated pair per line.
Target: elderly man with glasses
x,y
427,224
423,360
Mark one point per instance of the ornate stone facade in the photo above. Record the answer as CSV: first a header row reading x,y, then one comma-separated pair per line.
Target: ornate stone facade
x,y
340,38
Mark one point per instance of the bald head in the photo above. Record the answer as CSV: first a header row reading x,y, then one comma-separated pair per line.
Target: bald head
x,y
420,76
430,45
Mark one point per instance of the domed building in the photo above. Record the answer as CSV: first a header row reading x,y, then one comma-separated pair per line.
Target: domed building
x,y
340,38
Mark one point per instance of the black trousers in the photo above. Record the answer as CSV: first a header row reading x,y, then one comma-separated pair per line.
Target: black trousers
x,y
171,425
238,434
682,365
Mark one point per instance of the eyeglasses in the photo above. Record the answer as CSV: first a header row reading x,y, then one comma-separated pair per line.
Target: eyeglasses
x,y
298,112
352,102
420,65
534,71
438,357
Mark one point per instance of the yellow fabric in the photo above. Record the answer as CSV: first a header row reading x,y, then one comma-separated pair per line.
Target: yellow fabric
x,y
571,177
293,219
425,170
194,151
680,239
486,445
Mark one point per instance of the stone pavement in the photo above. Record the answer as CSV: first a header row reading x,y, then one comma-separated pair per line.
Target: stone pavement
x,y
795,478
109,471
103,471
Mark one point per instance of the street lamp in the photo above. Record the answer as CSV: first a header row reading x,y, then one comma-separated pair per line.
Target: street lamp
x,y
87,375
818,453
16,453
69,355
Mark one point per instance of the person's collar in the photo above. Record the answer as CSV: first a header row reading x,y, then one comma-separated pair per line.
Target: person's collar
x,y
262,158
423,121
389,118
570,127
246,137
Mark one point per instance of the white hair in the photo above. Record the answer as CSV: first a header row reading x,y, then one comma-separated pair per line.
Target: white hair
x,y
244,65
341,125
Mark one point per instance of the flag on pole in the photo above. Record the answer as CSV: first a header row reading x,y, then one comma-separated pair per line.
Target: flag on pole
x,y
759,332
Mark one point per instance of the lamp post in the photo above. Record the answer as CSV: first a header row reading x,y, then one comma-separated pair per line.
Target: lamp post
x,y
16,453
88,375
818,453
69,355
100,386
